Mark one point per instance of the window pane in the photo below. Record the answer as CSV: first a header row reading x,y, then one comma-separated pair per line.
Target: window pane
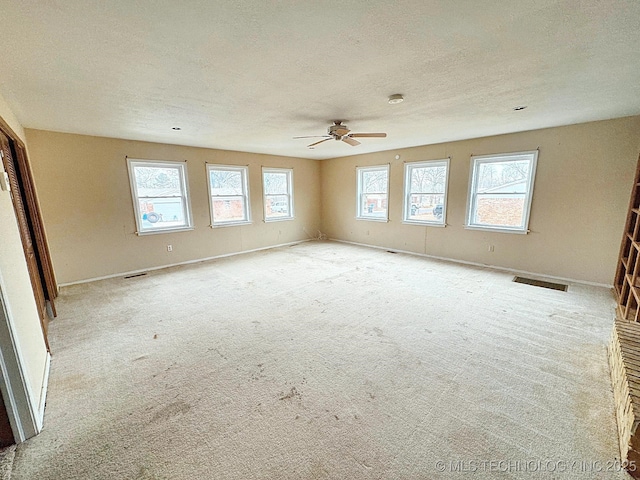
x,y
277,206
157,181
426,208
503,177
276,183
428,179
162,213
374,181
226,182
228,210
502,210
373,205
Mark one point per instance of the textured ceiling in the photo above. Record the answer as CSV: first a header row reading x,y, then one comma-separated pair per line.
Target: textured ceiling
x,y
250,75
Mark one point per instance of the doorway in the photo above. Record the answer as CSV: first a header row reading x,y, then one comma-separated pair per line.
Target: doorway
x,y
30,225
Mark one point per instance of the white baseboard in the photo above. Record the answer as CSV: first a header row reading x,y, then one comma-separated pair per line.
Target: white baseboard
x,y
187,262
483,265
43,394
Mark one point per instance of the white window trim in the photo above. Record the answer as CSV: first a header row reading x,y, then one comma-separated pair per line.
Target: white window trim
x,y
244,172
289,172
182,168
359,171
408,167
471,197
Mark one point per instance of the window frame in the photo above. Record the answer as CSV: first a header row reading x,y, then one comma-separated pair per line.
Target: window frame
x,y
476,162
359,176
289,194
408,169
244,173
181,166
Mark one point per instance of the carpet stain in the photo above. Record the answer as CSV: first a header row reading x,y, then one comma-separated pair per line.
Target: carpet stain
x,y
76,381
171,410
318,471
145,474
259,374
293,393
218,352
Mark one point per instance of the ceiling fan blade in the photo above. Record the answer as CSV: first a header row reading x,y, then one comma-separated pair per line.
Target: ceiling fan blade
x,y
314,144
315,136
362,135
350,141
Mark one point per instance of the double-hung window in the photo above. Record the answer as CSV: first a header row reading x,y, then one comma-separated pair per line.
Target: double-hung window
x,y
500,191
425,192
160,195
373,193
277,185
229,195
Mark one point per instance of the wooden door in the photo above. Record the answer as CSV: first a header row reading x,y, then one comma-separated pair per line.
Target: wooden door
x,y
26,232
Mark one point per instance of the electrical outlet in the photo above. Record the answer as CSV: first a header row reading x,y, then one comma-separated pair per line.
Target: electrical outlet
x,y
491,248
169,248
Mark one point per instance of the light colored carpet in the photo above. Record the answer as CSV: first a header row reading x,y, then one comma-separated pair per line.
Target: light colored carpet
x,y
326,361
7,455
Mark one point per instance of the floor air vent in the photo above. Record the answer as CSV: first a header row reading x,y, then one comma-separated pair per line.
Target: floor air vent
x,y
541,283
136,275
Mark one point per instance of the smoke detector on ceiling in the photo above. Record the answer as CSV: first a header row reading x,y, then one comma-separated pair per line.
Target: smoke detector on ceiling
x,y
395,99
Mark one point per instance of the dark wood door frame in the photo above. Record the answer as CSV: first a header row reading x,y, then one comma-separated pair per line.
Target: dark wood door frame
x,y
26,198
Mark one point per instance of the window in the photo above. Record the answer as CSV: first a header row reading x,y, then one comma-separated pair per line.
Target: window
x,y
160,195
373,193
228,195
500,191
278,193
425,192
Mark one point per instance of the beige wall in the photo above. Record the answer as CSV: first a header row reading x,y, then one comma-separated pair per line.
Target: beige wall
x,y
582,189
16,286
580,198
84,192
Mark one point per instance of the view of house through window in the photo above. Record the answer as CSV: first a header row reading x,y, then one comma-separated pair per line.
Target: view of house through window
x,y
373,189
229,192
501,190
425,190
278,193
160,195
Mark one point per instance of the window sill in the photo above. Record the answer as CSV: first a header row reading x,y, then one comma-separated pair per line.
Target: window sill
x,y
229,224
278,219
497,229
164,230
424,224
373,219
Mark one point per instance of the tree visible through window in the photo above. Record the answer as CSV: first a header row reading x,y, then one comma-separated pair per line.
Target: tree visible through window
x,y
160,195
229,192
425,190
278,193
372,191
501,191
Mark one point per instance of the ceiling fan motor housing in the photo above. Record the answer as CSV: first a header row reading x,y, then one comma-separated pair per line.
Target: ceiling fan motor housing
x,y
338,131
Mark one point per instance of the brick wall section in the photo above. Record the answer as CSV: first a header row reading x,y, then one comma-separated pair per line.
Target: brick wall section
x,y
232,209
500,211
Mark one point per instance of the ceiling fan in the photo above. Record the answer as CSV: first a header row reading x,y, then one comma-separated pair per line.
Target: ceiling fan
x,y
338,132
